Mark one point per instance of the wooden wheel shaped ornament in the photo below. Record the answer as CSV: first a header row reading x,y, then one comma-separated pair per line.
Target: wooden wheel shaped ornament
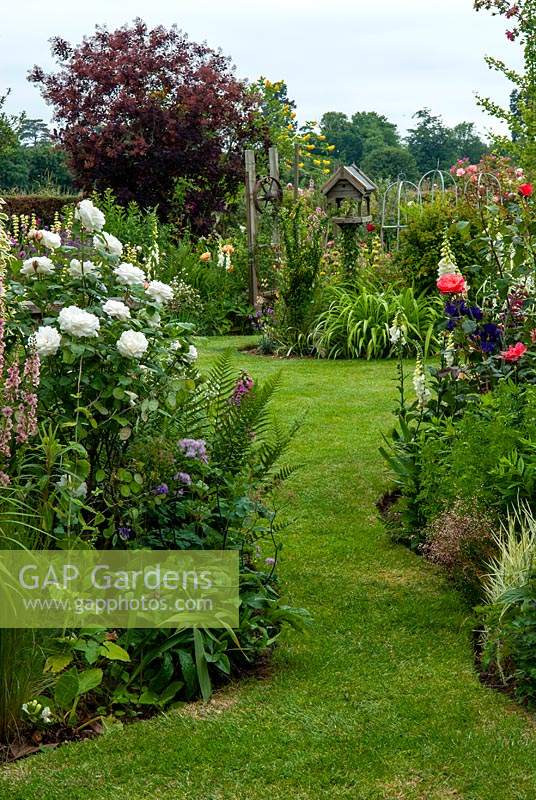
x,y
267,194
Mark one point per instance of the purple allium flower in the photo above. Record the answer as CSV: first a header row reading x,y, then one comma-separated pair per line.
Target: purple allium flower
x,y
183,477
163,488
194,448
124,533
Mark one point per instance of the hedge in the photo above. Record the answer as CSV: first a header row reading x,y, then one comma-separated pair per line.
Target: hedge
x,y
43,206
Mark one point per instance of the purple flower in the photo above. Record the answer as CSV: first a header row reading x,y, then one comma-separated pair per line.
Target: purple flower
x,y
269,561
243,387
161,489
183,477
194,448
125,533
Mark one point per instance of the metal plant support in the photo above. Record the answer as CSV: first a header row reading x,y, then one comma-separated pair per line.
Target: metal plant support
x,y
392,213
399,193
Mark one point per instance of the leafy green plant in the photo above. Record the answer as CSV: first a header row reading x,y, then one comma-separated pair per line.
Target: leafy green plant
x,y
357,323
303,235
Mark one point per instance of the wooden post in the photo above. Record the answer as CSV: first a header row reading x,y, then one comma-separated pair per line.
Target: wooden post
x,y
251,213
273,161
296,169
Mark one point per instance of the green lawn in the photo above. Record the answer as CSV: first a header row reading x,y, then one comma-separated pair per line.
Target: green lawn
x,y
379,700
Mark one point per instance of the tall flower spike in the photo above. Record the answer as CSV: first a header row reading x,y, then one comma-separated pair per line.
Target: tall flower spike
x,y
447,264
419,383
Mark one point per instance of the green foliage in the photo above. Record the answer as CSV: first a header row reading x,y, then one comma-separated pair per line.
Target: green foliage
x,y
510,648
303,238
419,250
390,162
357,321
344,135
433,145
521,116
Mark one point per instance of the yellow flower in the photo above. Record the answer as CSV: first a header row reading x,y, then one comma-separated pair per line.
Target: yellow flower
x,y
321,136
326,171
293,115
267,83
330,148
326,161
306,137
310,146
301,165
290,126
317,162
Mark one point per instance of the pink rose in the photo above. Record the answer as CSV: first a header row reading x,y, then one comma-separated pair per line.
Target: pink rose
x,y
514,352
451,283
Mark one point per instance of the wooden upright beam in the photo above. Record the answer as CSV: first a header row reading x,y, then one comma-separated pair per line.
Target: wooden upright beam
x,y
273,161
251,216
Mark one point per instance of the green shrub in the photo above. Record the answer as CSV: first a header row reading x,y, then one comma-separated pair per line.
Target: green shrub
x,y
419,250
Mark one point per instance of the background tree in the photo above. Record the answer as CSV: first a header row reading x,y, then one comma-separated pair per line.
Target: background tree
x,y
31,131
390,162
8,137
375,131
521,116
466,143
139,109
279,127
430,142
344,135
32,162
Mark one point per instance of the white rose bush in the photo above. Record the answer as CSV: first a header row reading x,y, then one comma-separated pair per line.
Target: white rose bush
x,y
102,334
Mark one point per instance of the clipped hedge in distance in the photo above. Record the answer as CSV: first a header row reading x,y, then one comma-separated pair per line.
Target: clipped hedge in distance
x,y
43,206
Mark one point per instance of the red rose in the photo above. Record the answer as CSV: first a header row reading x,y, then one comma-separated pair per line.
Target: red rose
x,y
514,352
526,189
451,283
371,227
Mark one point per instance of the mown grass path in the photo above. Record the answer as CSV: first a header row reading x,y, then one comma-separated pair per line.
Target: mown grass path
x,y
378,701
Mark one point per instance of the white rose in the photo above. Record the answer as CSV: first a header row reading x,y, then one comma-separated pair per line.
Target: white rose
x,y
175,345
49,239
78,322
191,355
46,341
129,275
90,216
41,265
88,269
132,344
107,244
160,292
116,309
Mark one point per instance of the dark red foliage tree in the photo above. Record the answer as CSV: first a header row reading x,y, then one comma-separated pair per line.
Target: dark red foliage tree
x,y
137,109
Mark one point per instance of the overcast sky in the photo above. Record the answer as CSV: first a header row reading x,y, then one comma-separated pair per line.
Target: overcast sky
x,y
390,56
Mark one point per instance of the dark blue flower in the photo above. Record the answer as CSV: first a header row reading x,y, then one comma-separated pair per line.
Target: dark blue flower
x,y
475,312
